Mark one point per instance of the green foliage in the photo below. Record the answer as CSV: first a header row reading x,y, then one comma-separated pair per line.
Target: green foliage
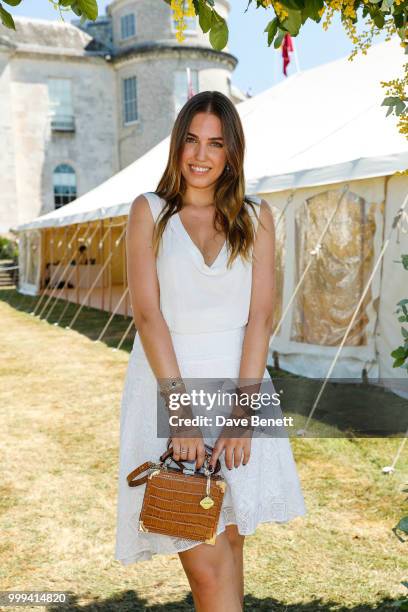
x,y
401,360
205,16
298,12
8,248
402,526
395,104
218,32
86,9
6,18
400,354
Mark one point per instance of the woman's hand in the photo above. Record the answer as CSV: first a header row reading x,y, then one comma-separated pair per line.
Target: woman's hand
x,y
191,448
236,450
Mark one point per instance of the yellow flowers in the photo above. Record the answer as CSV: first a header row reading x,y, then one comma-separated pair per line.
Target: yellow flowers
x,y
346,8
281,13
181,9
190,9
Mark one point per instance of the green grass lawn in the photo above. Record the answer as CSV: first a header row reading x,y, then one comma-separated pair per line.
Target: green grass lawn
x,y
60,403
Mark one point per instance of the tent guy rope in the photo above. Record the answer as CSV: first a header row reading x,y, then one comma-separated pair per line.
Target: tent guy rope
x,y
56,273
98,276
73,268
395,224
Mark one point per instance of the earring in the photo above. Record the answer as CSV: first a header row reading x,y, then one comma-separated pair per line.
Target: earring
x,y
227,168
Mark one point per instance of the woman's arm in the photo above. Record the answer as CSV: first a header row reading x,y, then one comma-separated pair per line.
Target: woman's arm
x,y
257,334
259,328
145,299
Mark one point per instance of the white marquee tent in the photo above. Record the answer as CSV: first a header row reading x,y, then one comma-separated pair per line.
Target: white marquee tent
x,y
322,153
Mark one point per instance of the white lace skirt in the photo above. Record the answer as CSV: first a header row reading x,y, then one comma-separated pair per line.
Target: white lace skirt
x,y
266,489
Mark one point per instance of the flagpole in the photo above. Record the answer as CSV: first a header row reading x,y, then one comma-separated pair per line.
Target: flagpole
x,y
190,92
296,55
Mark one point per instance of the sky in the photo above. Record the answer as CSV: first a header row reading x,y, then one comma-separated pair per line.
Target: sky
x,y
259,66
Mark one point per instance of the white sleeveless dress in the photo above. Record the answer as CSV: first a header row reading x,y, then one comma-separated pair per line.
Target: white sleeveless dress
x,y
206,309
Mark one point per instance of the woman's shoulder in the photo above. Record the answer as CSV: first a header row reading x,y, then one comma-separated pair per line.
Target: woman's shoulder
x,y
155,203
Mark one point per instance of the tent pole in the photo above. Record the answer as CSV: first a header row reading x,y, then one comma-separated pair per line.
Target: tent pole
x,y
101,335
110,265
68,302
395,225
77,269
124,275
117,243
103,275
88,266
377,320
65,292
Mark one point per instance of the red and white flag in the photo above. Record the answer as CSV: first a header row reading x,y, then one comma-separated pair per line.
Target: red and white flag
x,y
287,47
190,92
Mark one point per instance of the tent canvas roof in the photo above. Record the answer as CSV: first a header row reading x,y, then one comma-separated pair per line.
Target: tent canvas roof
x,y
319,126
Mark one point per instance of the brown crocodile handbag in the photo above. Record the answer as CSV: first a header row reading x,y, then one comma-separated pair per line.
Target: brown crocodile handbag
x,y
179,501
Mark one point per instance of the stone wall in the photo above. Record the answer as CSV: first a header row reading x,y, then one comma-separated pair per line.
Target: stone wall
x,y
91,149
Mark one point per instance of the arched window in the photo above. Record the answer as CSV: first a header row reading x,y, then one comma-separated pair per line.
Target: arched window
x,y
65,185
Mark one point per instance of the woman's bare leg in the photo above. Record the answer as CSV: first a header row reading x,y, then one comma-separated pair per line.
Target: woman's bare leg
x,y
237,546
211,573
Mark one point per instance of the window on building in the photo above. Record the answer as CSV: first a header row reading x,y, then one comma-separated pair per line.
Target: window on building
x,y
129,100
190,22
65,185
61,108
181,87
127,26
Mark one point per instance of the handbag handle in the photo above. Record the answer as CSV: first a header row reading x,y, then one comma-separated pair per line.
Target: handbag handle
x,y
169,453
135,482
139,470
206,446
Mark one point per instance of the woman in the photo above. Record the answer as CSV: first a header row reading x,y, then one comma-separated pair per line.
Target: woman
x,y
203,308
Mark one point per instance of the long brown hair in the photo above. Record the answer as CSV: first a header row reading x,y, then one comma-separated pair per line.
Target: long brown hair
x,y
231,213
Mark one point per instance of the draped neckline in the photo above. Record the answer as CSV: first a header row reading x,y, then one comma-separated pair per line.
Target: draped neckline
x,y
218,266
193,244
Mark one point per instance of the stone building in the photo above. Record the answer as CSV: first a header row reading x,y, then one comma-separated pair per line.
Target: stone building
x,y
80,102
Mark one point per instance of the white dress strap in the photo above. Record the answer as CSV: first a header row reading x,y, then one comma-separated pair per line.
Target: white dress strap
x,y
155,203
